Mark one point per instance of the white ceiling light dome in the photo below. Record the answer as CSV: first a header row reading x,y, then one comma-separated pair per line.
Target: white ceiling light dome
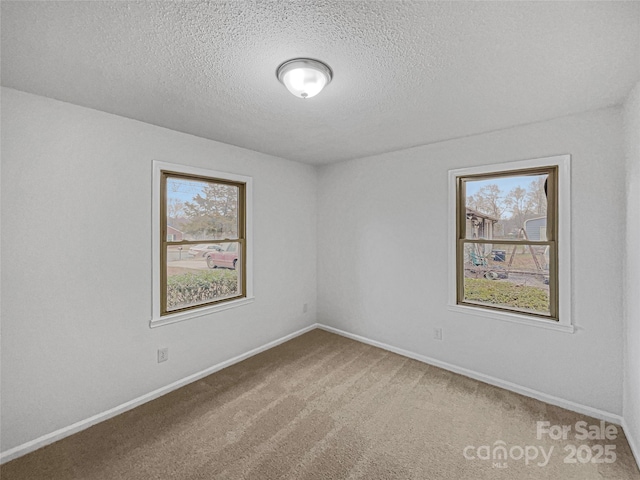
x,y
304,77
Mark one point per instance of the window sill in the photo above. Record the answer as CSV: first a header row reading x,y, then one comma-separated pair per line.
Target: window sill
x,y
189,314
512,317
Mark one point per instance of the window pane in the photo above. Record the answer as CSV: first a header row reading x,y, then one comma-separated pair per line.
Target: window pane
x,y
202,273
515,277
507,207
201,210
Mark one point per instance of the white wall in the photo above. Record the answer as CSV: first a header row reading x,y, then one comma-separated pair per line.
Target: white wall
x,y
76,262
382,258
632,271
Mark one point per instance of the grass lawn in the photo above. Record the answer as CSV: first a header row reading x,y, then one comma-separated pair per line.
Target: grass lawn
x,y
506,294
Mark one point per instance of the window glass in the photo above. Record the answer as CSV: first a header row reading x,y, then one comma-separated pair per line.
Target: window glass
x,y
202,210
508,276
505,257
499,207
201,279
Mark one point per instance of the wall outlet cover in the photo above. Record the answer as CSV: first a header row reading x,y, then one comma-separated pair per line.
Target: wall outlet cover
x,y
163,354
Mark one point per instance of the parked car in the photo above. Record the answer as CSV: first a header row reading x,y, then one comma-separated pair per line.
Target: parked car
x,y
227,257
204,248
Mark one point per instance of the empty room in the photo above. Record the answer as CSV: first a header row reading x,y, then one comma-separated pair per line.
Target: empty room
x,y
320,240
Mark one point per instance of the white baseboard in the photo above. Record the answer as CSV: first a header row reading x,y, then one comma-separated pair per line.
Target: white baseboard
x,y
44,440
527,392
632,443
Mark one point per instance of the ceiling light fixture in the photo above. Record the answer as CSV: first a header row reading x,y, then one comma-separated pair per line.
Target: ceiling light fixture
x,y
304,77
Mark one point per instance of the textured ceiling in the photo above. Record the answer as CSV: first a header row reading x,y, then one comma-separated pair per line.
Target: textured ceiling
x,y
405,73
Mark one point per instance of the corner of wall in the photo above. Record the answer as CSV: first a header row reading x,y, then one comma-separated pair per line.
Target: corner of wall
x,y
631,355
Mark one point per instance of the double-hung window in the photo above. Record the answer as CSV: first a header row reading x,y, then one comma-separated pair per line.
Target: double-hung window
x,y
202,250
510,247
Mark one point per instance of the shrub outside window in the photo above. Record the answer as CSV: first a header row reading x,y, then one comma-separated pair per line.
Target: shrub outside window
x,y
507,231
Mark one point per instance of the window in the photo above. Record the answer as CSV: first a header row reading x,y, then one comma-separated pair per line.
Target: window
x,y
509,232
202,242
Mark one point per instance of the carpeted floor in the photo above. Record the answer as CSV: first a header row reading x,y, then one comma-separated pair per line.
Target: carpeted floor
x,y
325,407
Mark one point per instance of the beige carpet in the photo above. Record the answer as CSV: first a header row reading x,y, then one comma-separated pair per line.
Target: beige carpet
x,y
325,407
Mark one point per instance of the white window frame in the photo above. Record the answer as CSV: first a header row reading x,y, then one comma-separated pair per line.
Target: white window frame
x,y
156,318
564,322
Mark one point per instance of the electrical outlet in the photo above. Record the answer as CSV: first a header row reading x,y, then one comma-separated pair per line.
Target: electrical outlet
x,y
163,354
305,308
437,334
